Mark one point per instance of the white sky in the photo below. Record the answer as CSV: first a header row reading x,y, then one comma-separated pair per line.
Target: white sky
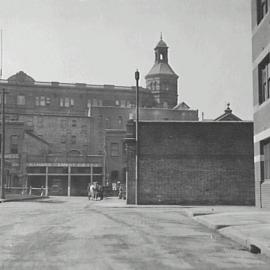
x,y
104,41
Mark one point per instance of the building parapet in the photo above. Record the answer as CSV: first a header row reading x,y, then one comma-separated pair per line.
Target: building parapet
x,y
74,85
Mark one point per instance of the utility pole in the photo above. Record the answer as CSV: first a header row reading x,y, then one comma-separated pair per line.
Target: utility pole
x,y
2,188
137,77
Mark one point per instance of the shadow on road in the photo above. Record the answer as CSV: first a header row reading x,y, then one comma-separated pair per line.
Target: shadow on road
x,y
49,201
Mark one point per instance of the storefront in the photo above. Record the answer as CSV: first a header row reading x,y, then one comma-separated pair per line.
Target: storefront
x,y
66,179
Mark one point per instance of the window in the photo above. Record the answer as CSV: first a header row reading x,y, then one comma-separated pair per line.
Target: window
x,y
74,123
120,122
128,104
61,102
114,176
262,9
117,102
66,102
266,153
40,122
114,149
71,102
123,103
20,100
40,101
37,101
63,123
63,139
14,144
107,122
73,139
264,79
95,102
154,86
48,100
29,122
84,129
89,103
1,96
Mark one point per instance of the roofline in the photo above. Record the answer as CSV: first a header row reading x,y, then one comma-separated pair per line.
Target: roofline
x,y
83,86
227,114
160,75
194,121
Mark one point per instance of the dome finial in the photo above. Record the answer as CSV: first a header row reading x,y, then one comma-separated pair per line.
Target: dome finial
x,y
160,35
228,110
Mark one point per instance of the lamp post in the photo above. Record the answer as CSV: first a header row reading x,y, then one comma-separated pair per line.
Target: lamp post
x,y
2,188
137,77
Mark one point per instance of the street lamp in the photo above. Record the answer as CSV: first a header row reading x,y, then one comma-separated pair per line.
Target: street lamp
x,y
137,77
2,188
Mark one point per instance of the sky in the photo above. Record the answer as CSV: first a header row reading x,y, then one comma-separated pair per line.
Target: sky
x,y
105,41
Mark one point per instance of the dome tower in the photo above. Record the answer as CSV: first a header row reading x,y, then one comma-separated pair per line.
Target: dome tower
x,y
161,79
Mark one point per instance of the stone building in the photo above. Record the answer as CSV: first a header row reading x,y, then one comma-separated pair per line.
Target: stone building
x,y
84,124
261,98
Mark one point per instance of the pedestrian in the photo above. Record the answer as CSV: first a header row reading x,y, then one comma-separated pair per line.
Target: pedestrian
x,y
89,190
120,193
101,191
42,191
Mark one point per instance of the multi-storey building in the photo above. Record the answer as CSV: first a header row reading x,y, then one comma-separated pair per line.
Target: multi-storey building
x,y
261,97
74,120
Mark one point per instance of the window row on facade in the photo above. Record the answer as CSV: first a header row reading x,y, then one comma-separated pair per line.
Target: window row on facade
x,y
108,123
159,86
264,79
42,101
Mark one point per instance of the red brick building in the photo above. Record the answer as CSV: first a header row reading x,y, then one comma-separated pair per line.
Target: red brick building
x,y
192,163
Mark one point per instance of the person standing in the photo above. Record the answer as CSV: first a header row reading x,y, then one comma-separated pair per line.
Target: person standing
x,y
89,190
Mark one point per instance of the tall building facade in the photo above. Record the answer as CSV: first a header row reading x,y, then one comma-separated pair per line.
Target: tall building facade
x,y
84,124
261,97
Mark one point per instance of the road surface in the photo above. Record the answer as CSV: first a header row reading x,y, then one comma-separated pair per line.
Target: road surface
x,y
74,233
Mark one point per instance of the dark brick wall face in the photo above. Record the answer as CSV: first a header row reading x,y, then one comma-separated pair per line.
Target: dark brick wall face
x,y
196,163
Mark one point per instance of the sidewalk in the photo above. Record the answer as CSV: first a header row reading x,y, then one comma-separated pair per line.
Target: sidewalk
x,y
249,226
19,197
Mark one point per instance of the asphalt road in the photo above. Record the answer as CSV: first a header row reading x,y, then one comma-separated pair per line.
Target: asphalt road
x,y
74,233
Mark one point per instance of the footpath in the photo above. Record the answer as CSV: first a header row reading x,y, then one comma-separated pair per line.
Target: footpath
x,y
18,197
249,226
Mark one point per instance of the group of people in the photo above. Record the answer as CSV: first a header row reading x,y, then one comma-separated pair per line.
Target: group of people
x,y
95,191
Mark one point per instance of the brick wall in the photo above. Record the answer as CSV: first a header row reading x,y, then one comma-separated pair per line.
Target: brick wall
x,y
196,163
